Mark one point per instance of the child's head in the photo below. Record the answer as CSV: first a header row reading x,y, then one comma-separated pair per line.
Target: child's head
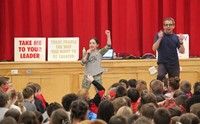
x,y
173,83
32,86
105,110
118,103
189,118
28,117
133,94
140,81
38,88
181,102
52,107
141,87
68,99
79,109
59,116
124,111
13,113
4,102
111,94
165,88
195,109
28,93
147,110
124,83
120,91
157,87
178,93
175,111
147,97
132,83
5,84
93,44
196,88
185,86
19,102
162,116
12,95
118,120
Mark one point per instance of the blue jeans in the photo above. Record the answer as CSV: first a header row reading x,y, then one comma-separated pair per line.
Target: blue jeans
x,y
171,70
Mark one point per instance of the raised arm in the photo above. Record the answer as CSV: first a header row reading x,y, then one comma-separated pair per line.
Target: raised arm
x,y
101,90
157,43
95,83
107,32
182,48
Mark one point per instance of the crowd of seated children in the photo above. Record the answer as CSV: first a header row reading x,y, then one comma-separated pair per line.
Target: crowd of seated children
x,y
125,102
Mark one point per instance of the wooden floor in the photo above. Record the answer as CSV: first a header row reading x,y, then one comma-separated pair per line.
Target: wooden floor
x,y
60,78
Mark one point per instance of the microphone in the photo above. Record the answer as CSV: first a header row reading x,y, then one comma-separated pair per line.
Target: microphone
x,y
88,55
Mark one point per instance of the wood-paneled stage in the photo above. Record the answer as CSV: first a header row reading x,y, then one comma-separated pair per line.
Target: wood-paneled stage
x,y
60,78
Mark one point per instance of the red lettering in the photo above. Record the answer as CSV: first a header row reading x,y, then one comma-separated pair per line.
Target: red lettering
x,y
26,42
29,55
37,42
34,49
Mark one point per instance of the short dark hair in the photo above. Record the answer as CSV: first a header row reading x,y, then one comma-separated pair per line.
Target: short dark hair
x,y
174,83
118,120
120,91
105,110
2,80
181,100
132,118
37,87
3,99
27,92
132,83
196,88
185,86
189,118
143,120
97,41
32,86
124,81
60,116
68,99
148,110
162,116
79,109
39,116
52,106
13,113
195,108
175,111
147,97
133,94
28,117
8,120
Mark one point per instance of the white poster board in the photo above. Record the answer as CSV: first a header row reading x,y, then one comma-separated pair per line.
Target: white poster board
x,y
186,45
185,55
63,49
30,49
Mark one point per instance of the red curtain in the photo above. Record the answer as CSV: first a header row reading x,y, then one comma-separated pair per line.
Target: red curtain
x,y
133,23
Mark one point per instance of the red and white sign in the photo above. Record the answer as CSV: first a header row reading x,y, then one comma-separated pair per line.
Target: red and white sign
x,y
30,49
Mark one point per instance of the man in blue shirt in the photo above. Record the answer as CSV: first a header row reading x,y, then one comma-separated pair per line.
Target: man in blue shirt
x,y
167,43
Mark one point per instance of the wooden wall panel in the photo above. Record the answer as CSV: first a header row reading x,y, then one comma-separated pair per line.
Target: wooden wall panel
x,y
60,78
